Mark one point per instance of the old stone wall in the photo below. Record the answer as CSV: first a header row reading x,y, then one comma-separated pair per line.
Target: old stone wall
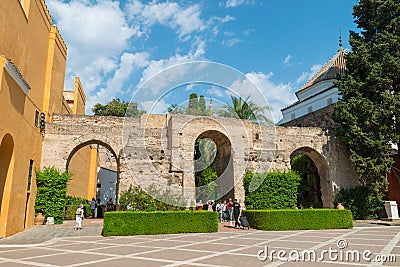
x,y
159,149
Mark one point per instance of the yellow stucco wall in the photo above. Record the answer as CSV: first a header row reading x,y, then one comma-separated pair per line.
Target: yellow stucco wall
x,y
83,167
32,73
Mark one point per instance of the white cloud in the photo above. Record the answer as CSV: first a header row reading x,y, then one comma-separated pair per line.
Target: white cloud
x,y
155,107
95,34
128,64
236,3
231,41
287,59
214,91
263,92
306,76
184,20
157,66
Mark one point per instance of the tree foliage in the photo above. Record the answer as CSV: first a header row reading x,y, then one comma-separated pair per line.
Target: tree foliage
x,y
246,110
369,111
151,200
362,202
51,193
117,108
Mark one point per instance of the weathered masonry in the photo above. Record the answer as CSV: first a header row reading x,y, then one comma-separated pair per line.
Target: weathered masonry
x,y
159,150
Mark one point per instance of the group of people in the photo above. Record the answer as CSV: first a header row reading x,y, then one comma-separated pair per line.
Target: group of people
x,y
228,210
79,213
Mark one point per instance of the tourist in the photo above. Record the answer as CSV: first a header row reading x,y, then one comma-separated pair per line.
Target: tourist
x,y
236,212
229,207
224,207
199,205
110,205
129,207
79,215
93,205
210,205
219,208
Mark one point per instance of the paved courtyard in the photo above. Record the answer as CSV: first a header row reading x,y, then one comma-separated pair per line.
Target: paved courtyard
x,y
62,246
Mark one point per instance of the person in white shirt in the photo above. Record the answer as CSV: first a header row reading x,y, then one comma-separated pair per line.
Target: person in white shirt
x,y
219,208
79,214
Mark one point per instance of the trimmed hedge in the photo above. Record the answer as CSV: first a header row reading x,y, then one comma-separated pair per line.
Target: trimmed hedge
x,y
122,223
304,219
271,190
71,209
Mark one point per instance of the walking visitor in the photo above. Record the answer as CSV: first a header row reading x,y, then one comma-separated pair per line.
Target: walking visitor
x,y
79,215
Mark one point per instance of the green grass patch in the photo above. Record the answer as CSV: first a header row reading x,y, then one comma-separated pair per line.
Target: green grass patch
x,y
304,219
122,223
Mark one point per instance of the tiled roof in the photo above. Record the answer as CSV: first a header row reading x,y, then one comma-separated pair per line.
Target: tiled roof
x,y
336,65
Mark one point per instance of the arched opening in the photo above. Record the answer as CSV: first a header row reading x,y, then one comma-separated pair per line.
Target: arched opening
x,y
95,172
313,190
213,165
6,159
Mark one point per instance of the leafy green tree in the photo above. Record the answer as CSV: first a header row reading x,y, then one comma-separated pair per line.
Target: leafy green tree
x,y
246,110
51,193
117,108
369,111
206,180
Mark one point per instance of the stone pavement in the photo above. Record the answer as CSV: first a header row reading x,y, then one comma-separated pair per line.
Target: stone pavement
x,y
234,248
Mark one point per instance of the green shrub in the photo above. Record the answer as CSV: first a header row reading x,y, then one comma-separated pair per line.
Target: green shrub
x,y
305,219
72,200
151,201
71,209
51,193
120,223
272,190
363,202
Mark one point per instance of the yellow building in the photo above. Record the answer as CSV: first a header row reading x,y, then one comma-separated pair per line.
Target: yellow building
x,y
32,71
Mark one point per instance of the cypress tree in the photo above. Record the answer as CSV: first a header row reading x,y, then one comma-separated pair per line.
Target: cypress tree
x,y
369,111
193,105
202,106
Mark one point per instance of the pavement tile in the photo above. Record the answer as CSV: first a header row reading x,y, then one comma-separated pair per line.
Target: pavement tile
x,y
211,247
80,246
127,241
232,260
195,239
165,243
242,241
122,250
14,264
291,244
25,253
67,259
174,254
127,262
307,239
361,241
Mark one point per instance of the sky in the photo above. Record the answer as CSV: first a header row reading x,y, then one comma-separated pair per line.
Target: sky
x,y
121,48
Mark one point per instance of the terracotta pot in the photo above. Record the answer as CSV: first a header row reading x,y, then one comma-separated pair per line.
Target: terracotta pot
x,y
339,206
39,219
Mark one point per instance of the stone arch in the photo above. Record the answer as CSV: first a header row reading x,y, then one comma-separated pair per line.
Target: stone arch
x,y
224,166
103,144
323,172
6,174
187,131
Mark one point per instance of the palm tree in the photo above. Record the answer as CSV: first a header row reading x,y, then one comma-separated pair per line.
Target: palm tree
x,y
246,110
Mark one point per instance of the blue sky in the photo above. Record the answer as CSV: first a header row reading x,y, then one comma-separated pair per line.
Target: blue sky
x,y
114,46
